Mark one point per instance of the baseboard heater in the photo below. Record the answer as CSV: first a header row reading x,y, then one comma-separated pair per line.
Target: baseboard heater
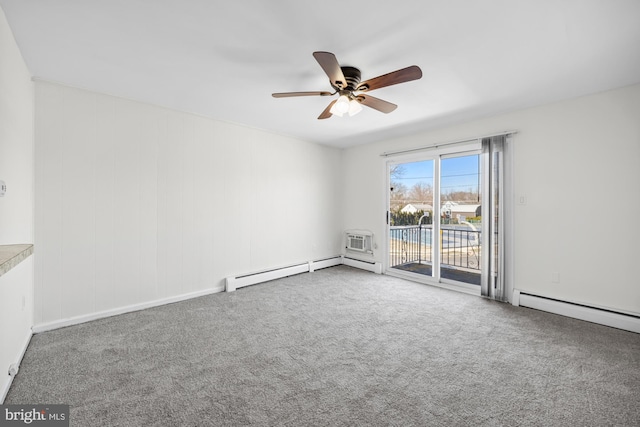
x,y
372,266
235,282
628,322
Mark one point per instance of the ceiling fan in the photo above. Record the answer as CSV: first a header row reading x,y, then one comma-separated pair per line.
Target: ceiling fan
x,y
346,82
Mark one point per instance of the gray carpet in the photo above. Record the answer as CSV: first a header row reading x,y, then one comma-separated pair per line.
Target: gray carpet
x,y
337,347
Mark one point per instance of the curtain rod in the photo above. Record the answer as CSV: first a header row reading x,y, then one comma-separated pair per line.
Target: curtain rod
x,y
431,147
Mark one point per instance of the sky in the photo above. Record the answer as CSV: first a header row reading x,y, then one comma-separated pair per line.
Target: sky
x,y
458,173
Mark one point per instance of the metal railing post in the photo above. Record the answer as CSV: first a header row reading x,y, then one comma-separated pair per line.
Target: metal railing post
x,y
420,244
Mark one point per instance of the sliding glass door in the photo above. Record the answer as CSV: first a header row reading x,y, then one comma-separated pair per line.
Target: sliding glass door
x,y
461,218
435,217
410,216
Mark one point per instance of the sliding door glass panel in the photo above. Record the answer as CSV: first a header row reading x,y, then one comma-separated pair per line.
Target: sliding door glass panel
x,y
411,197
460,219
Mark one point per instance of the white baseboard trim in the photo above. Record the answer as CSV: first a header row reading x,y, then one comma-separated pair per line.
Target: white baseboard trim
x,y
43,327
8,379
372,266
324,263
235,282
515,298
5,386
595,315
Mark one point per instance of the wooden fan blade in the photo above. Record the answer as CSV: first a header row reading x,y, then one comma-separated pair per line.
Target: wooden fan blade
x,y
329,64
290,94
400,76
326,114
377,104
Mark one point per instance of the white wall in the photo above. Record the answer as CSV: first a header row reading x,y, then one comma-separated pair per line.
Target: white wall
x,y
16,207
577,164
16,141
136,203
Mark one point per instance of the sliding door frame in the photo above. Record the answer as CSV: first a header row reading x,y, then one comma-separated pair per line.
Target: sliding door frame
x,y
434,153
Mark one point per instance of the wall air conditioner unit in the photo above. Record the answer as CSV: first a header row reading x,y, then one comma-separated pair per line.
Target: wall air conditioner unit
x,y
359,241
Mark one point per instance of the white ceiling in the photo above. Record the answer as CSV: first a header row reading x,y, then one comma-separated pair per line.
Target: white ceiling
x,y
223,59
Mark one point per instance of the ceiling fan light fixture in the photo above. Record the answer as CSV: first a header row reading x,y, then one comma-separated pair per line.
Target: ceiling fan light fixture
x,y
341,106
354,107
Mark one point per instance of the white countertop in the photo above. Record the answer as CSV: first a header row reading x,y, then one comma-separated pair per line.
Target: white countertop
x,y
12,255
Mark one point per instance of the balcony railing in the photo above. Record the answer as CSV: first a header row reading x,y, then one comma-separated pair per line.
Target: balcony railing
x,y
459,246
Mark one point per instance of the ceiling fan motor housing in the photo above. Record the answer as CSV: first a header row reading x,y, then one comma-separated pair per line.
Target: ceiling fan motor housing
x,y
352,76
